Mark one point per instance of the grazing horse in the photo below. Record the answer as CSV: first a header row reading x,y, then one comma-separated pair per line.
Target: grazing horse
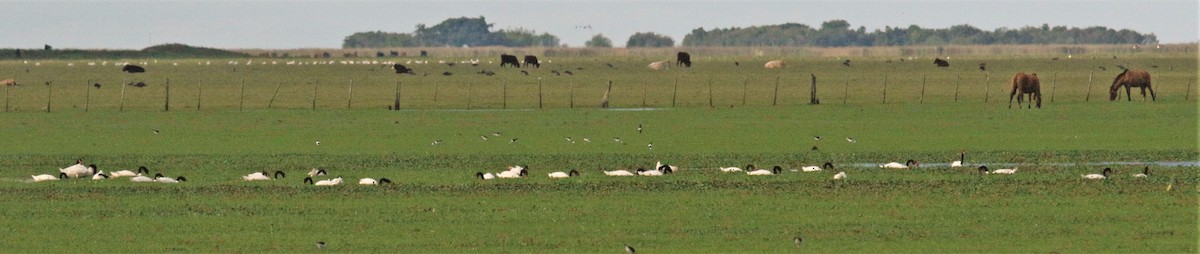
x,y
1026,84
1131,78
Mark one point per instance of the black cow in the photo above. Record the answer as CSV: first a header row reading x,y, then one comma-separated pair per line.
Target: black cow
x,y
532,60
379,54
133,69
395,53
510,60
401,69
941,63
683,59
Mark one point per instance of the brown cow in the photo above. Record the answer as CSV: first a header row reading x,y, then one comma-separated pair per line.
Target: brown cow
x,y
1026,84
1131,78
775,64
9,82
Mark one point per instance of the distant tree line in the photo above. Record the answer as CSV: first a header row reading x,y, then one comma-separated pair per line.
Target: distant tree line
x,y
838,33
173,50
454,32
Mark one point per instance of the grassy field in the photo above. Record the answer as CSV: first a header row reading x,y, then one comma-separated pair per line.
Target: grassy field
x,y
436,206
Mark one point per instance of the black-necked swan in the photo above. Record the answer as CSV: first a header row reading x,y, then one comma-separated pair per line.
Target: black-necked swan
x,y
316,172
48,177
1145,172
372,181
141,178
163,179
485,176
909,163
827,165
620,172
962,156
763,172
1102,175
100,175
561,174
329,182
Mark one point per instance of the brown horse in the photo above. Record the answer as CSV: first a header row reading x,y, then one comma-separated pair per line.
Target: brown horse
x,y
1131,78
1026,84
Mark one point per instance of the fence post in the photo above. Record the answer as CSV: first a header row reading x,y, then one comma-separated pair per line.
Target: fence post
x,y
1053,86
49,94
539,92
435,91
645,87
121,102
813,98
675,92
504,96
167,101
397,101
986,91
845,91
775,98
350,94
1089,90
710,93
1186,95
922,89
87,99
6,98
242,95
314,98
272,101
957,81
199,94
745,84
470,85
885,79
572,96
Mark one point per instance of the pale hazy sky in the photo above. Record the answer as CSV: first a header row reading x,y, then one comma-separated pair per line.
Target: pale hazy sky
x,y
323,24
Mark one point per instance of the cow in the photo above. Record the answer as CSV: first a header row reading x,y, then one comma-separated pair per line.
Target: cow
x,y
379,54
532,60
509,60
394,53
775,64
402,69
133,69
9,82
683,59
659,65
941,63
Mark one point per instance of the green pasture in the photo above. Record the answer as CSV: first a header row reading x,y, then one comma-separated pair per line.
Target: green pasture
x,y
205,84
436,206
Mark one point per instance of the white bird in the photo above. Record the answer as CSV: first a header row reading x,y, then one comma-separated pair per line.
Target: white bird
x,y
78,170
126,172
732,169
330,182
316,172
318,143
512,174
1006,171
1102,175
621,172
48,177
162,179
763,172
99,175
561,174
909,163
141,178
851,140
1145,172
827,165
256,176
372,181
485,176
962,156
839,176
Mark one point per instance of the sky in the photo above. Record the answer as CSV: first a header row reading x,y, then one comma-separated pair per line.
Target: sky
x,y
281,24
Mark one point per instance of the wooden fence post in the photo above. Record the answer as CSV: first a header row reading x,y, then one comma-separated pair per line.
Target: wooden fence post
x,y
1053,86
396,103
885,80
775,98
986,91
1188,94
504,96
6,98
1089,90
710,92
199,94
539,92
350,94
572,96
167,101
675,92
49,94
846,91
922,89
813,98
272,101
87,101
242,95
957,81
745,84
645,88
121,102
470,85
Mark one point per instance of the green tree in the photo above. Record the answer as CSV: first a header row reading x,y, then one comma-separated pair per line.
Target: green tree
x,y
651,40
598,41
